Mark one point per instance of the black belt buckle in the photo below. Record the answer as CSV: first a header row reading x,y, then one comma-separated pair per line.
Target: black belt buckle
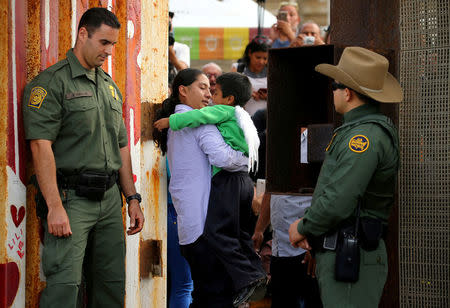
x,y
94,179
92,185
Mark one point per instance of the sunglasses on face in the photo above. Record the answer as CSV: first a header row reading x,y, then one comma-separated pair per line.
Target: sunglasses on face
x,y
336,85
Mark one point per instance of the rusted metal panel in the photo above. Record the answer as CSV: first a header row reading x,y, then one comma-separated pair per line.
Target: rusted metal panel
x,y
39,33
5,266
34,284
298,97
12,189
153,64
132,112
15,220
370,24
150,255
374,25
133,83
49,33
64,28
119,72
33,37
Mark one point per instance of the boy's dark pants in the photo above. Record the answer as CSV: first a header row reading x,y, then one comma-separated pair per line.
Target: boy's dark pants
x,y
291,284
212,286
229,210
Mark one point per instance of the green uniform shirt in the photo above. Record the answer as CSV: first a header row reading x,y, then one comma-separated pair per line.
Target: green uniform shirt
x,y
225,119
81,112
362,160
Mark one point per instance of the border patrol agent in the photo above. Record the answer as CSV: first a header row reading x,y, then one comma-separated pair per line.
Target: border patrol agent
x,y
347,220
73,119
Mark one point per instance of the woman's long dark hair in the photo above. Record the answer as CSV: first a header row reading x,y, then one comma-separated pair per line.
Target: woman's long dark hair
x,y
184,78
257,44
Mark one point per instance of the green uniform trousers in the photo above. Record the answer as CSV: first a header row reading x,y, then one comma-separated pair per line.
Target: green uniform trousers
x,y
366,292
98,240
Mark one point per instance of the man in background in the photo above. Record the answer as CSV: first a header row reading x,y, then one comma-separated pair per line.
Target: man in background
x,y
309,34
212,71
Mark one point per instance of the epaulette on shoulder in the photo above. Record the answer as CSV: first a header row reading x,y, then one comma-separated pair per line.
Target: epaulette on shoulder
x,y
48,74
105,73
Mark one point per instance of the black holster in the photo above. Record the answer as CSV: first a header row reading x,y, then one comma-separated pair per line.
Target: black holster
x,y
347,251
347,256
371,231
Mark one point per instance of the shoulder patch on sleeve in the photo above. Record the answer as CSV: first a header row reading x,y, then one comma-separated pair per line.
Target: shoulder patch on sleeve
x,y
359,143
37,96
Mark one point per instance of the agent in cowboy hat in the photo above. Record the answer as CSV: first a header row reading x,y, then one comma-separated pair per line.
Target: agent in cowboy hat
x,y
356,185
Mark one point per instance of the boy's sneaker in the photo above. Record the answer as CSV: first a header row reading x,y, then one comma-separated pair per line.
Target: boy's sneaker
x,y
260,291
246,292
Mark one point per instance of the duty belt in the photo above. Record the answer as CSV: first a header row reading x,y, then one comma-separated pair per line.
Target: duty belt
x,y
73,181
317,242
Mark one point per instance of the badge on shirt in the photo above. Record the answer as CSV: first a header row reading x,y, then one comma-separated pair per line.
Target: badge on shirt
x,y
359,143
113,92
37,96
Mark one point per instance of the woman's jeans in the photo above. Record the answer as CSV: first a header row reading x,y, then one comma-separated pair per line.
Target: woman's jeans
x,y
179,273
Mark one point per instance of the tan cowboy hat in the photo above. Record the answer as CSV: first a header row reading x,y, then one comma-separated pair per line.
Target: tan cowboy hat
x,y
366,72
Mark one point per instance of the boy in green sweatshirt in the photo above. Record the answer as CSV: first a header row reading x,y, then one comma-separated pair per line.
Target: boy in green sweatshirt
x,y
231,193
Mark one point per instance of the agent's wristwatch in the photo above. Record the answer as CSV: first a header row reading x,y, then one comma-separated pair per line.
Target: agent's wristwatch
x,y
135,196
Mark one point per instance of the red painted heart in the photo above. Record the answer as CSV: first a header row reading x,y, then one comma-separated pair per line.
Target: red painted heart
x,y
8,290
17,217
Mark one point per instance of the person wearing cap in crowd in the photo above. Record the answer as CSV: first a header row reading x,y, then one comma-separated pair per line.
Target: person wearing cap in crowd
x,y
286,27
356,184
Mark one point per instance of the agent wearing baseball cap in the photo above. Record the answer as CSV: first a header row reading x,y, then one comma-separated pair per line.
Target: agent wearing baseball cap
x,y
347,220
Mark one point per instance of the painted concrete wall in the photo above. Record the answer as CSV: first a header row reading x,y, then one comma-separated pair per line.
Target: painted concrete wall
x,y
36,34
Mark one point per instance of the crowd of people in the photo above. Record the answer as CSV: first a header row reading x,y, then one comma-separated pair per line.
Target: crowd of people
x,y
212,129
253,64
274,222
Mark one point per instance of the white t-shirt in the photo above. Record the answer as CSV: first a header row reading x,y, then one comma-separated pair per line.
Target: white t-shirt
x,y
182,51
252,105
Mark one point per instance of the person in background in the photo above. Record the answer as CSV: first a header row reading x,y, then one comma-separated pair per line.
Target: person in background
x,y
291,269
309,34
212,71
283,32
179,53
253,64
327,36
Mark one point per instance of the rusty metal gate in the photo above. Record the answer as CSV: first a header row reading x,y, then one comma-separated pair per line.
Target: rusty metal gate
x,y
424,200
